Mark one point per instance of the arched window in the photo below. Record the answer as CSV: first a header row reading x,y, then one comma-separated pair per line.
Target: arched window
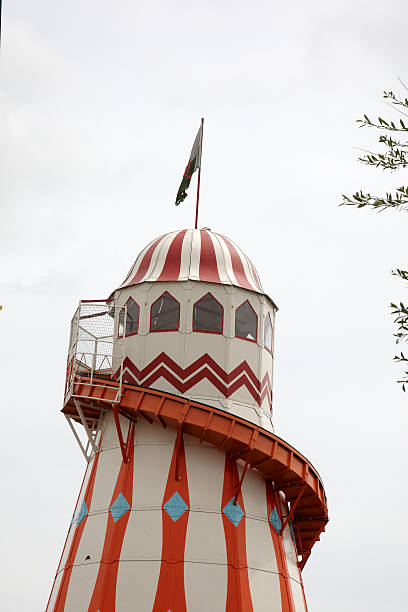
x,y
268,333
246,322
165,314
208,315
132,318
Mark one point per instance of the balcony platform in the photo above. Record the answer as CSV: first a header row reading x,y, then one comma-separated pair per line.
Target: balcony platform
x,y
288,470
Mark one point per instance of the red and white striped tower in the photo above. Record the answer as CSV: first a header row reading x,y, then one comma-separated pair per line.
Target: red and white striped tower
x,y
189,502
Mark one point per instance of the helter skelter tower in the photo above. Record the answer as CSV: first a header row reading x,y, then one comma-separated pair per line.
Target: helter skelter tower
x,y
189,502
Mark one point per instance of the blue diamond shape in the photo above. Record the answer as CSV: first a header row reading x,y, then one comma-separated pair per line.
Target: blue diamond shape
x,y
233,512
82,513
175,506
275,520
119,507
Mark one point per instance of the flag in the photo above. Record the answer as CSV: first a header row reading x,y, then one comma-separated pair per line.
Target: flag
x,y
193,163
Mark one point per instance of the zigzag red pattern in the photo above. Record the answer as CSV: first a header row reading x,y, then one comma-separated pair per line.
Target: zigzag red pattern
x,y
202,368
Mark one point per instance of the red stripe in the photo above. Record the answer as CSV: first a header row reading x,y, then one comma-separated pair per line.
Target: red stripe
x,y
164,366
267,393
201,375
303,591
237,266
145,263
205,359
104,594
63,588
171,268
208,268
65,543
255,275
208,261
278,545
170,594
205,373
238,591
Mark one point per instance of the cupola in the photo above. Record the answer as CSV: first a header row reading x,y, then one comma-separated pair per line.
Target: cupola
x,y
199,323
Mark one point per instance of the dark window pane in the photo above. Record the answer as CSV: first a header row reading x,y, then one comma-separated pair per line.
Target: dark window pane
x,y
165,313
208,314
246,322
132,317
268,333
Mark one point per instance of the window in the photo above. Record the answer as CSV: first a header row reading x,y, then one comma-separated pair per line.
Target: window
x,y
246,322
165,314
268,333
132,318
208,315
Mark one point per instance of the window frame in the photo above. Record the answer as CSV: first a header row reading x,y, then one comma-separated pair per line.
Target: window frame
x,y
256,316
270,350
125,335
178,320
208,331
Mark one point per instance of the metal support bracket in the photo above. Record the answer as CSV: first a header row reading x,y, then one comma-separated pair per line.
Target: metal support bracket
x,y
238,486
293,508
180,441
92,434
124,446
249,450
89,432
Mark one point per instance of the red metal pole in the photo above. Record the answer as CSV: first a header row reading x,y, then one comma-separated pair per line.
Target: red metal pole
x,y
119,432
239,485
179,442
199,173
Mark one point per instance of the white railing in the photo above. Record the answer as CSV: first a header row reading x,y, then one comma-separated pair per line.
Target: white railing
x,y
96,346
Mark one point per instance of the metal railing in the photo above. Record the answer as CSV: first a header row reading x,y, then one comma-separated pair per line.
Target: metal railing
x,y
96,346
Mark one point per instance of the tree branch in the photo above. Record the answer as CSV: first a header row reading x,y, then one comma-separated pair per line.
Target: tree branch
x,y
399,200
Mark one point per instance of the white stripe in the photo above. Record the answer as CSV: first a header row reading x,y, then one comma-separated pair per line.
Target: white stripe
x,y
134,268
84,576
205,565
297,596
228,271
195,255
263,573
158,258
55,590
141,552
204,366
290,551
70,537
220,259
184,273
257,279
190,260
247,267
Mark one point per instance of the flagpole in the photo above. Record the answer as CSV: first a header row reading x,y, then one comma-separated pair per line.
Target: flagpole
x,y
199,173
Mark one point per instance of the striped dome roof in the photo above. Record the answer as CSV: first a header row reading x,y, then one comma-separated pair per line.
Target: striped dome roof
x,y
199,255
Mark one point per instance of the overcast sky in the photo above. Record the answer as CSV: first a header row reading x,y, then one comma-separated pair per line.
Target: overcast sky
x,y
99,105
